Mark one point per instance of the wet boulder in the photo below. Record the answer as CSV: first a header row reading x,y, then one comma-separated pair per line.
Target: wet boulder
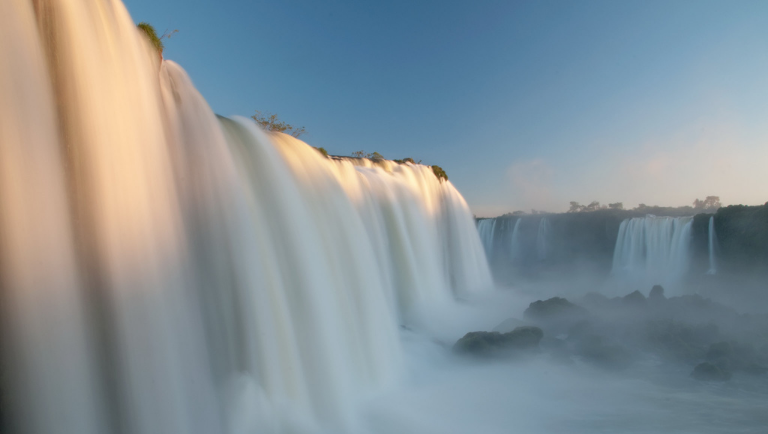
x,y
480,343
556,314
657,293
524,339
634,299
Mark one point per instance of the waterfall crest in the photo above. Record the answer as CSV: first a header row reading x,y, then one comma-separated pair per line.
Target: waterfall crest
x,y
165,270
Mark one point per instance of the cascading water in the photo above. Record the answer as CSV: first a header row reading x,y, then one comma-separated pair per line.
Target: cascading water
x,y
712,247
507,232
487,228
515,246
162,270
651,250
501,238
542,239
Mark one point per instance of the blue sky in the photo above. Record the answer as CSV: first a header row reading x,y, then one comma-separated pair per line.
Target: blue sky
x,y
525,104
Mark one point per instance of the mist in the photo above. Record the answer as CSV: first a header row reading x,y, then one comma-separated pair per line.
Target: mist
x,y
545,393
619,352
623,364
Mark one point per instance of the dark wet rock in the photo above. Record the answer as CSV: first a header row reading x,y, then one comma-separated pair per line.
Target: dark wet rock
x,y
555,314
520,340
551,308
524,337
595,350
657,293
480,343
635,298
508,325
706,371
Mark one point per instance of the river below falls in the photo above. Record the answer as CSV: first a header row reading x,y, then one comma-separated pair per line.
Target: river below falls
x,y
445,393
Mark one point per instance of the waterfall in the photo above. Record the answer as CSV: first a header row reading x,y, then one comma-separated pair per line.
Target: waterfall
x,y
165,270
496,232
651,250
486,229
542,239
712,245
515,246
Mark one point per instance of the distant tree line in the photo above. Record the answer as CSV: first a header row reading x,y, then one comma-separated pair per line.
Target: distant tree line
x,y
594,206
710,204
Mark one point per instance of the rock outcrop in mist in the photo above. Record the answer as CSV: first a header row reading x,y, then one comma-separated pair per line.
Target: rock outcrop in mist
x,y
690,334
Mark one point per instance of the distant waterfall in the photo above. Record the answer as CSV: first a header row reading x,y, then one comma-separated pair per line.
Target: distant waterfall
x,y
167,271
515,246
487,228
652,249
712,244
501,238
542,239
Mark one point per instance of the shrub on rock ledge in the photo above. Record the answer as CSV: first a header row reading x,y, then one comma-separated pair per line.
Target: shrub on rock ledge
x,y
155,40
440,173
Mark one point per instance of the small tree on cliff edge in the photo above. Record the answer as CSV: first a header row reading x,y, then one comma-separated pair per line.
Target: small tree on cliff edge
x,y
157,41
269,122
439,173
